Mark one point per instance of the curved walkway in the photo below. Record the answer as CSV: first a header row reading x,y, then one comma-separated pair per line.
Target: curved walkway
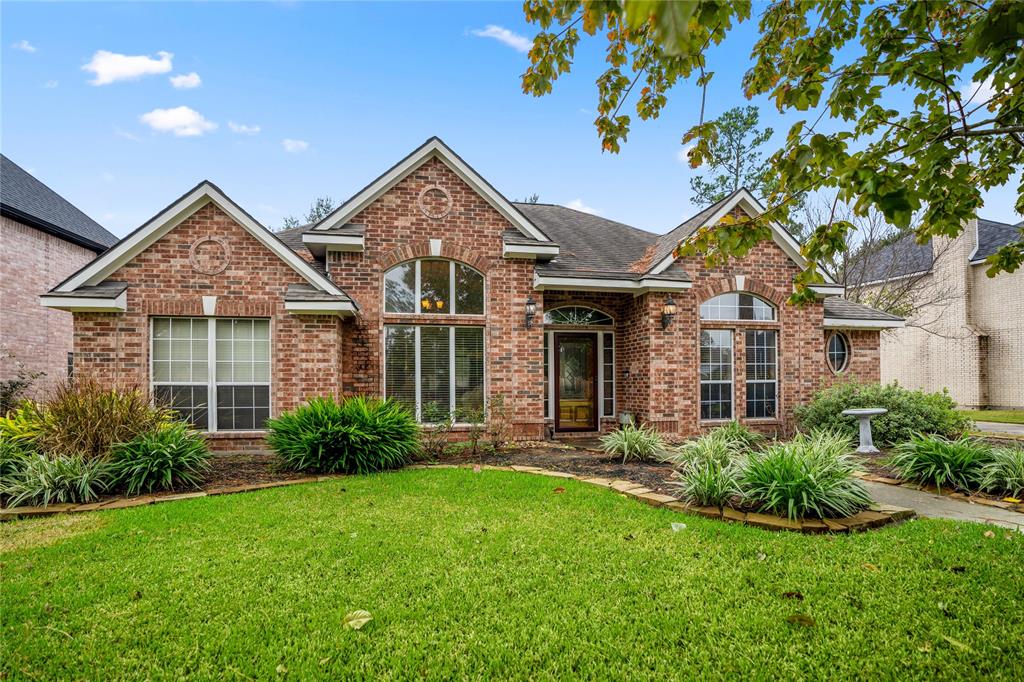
x,y
942,507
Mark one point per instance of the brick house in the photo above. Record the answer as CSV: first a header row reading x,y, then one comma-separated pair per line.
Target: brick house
x,y
43,239
966,331
430,287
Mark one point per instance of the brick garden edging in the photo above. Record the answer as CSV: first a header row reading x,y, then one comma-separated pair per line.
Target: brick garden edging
x,y
952,494
877,516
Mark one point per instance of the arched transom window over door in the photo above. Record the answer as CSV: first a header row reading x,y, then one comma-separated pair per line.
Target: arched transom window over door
x,y
579,367
434,286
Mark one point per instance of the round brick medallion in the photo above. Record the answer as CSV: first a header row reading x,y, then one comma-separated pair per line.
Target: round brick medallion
x,y
435,202
208,255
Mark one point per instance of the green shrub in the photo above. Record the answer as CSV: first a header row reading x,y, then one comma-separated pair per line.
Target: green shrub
x,y
709,483
708,449
84,416
359,435
909,412
737,435
13,456
809,476
170,457
23,424
633,442
941,462
1004,472
44,480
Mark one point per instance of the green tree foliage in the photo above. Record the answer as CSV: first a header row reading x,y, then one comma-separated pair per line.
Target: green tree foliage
x,y
962,132
318,210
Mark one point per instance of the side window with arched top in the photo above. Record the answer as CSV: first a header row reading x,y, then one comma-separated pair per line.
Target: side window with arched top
x,y
434,286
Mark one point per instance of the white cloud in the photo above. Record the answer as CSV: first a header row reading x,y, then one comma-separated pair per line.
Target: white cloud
x,y
981,92
506,37
110,67
50,84
682,154
125,134
242,128
182,121
24,46
294,146
577,204
186,81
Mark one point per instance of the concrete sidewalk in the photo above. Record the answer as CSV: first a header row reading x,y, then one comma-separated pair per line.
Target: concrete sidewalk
x,y
941,507
999,427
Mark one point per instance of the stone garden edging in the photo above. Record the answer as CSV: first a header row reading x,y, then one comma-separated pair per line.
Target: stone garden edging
x,y
877,516
952,494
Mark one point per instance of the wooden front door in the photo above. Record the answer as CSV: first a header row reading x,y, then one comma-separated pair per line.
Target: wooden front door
x,y
575,382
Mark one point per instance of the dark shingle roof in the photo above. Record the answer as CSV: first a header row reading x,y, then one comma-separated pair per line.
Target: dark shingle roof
x,y
587,242
993,235
901,258
305,292
109,289
667,242
840,309
25,199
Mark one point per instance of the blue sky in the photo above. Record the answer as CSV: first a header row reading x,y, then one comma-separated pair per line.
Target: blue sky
x,y
338,93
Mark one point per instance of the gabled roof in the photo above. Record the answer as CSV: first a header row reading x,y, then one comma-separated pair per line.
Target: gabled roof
x,y
667,242
993,235
27,200
432,148
163,222
840,313
902,258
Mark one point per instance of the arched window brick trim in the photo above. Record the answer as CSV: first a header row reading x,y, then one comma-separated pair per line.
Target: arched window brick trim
x,y
449,251
751,285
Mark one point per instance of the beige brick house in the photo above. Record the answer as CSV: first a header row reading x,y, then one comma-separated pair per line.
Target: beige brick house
x,y
966,333
43,239
429,287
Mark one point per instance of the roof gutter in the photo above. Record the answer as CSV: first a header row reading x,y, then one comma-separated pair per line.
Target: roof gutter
x,y
8,211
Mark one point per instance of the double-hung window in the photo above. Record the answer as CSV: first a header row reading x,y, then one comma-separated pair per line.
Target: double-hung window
x,y
762,375
436,371
716,374
220,363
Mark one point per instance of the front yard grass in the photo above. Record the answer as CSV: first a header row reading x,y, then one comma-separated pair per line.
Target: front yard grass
x,y
998,416
496,575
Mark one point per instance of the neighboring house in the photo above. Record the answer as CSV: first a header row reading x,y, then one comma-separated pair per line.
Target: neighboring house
x,y
43,239
430,287
966,331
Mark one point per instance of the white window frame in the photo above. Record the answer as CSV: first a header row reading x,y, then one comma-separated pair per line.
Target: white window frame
x,y
211,382
731,381
747,380
417,294
451,364
771,306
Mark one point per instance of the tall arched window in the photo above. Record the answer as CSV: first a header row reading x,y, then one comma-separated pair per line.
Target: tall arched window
x,y
434,286
759,360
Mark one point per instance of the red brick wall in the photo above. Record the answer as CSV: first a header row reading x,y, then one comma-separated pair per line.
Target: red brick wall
x,y
865,357
31,263
397,231
305,350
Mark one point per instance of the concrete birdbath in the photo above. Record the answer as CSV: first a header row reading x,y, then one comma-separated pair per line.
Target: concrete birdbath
x,y
867,445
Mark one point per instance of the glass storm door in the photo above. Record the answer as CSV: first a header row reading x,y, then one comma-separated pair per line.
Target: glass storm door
x,y
575,382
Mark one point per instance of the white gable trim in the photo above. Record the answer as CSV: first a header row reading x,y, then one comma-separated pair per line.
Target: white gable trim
x,y
748,203
843,323
79,304
175,214
434,148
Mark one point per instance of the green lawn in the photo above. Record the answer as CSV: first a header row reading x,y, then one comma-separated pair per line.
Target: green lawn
x,y
1000,416
495,575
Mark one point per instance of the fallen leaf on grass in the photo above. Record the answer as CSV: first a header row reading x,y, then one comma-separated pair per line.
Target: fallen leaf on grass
x,y
477,468
801,619
559,490
958,644
761,556
355,620
989,534
793,595
871,567
282,669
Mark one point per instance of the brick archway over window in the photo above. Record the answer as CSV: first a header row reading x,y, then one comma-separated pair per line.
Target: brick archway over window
x,y
751,285
449,251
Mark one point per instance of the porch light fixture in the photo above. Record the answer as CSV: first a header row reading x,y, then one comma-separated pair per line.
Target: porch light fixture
x,y
531,311
668,311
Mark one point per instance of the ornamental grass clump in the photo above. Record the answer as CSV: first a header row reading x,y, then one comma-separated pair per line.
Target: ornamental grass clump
x,y
359,435
1004,472
709,483
173,456
633,442
812,475
42,480
708,449
941,462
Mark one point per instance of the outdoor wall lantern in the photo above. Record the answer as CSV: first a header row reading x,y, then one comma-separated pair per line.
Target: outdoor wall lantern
x,y
668,311
531,310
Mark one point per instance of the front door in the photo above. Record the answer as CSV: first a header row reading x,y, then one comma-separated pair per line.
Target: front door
x,y
575,382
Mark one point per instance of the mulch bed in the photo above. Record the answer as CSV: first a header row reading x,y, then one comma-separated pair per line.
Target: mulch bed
x,y
579,461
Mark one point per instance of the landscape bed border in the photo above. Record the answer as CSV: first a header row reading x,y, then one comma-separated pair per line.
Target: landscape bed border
x,y
877,516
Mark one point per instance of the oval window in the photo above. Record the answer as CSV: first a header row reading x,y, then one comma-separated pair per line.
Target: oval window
x,y
838,352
